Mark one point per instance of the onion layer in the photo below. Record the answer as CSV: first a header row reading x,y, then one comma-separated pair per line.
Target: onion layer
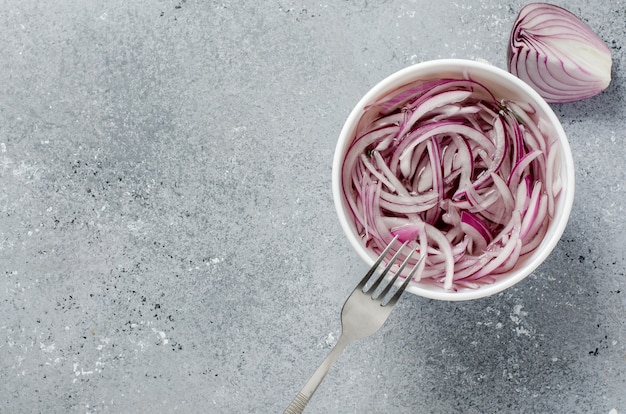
x,y
468,180
557,54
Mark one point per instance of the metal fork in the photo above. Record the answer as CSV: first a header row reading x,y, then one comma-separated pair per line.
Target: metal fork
x,y
363,313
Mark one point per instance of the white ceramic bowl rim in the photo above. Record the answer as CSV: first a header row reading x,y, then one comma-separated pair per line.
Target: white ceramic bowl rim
x,y
490,76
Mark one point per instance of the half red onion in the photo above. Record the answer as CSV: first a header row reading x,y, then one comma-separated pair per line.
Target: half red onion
x,y
557,54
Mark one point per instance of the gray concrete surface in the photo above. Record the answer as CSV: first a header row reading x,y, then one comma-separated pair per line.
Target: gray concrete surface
x,y
168,241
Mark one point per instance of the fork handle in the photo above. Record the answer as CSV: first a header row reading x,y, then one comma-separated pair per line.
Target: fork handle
x,y
302,399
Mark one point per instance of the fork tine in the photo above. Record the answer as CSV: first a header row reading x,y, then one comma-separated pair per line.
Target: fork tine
x,y
380,278
404,285
395,277
369,274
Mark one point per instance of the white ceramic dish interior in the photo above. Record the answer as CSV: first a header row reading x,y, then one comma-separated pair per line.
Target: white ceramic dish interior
x,y
503,85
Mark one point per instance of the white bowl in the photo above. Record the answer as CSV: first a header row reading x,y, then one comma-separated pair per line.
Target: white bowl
x,y
503,85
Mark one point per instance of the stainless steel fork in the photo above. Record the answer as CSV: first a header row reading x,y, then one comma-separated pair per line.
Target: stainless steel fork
x,y
363,313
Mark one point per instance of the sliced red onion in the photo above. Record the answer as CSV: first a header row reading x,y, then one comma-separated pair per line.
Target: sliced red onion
x,y
557,54
471,190
476,229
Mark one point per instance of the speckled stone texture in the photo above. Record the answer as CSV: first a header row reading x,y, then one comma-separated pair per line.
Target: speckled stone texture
x,y
168,241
